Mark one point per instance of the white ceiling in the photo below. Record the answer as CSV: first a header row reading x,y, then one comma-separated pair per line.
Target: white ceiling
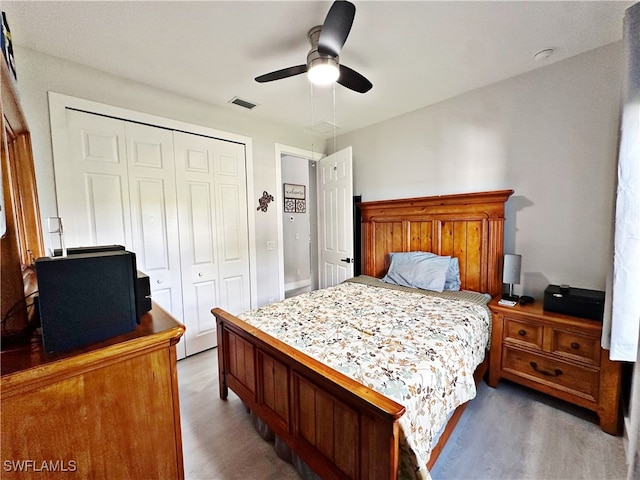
x,y
415,53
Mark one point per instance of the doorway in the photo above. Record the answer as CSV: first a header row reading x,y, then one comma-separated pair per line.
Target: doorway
x,y
297,226
316,241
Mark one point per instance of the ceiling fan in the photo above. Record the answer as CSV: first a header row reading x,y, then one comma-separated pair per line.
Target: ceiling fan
x,y
323,64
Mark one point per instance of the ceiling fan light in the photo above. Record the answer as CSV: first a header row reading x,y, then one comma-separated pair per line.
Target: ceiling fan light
x,y
323,72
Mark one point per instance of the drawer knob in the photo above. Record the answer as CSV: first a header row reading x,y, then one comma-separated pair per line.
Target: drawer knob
x,y
556,373
522,333
575,345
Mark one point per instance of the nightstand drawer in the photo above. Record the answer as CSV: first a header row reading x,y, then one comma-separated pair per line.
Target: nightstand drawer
x,y
575,346
582,381
526,333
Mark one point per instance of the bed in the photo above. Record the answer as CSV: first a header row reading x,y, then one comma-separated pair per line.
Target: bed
x,y
338,426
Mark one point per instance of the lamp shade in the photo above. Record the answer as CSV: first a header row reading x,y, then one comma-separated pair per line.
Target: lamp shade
x,y
511,271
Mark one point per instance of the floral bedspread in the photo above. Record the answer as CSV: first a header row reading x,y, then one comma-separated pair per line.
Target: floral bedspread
x,y
420,350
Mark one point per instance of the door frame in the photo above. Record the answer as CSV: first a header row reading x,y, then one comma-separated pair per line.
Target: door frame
x,y
281,150
59,103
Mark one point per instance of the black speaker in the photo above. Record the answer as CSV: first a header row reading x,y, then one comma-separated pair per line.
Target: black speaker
x,y
142,287
578,302
86,298
143,294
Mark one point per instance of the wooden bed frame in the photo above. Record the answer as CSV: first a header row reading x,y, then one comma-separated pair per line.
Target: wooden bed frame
x,y
339,427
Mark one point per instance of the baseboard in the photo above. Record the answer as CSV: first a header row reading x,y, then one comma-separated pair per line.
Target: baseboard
x,y
626,428
296,285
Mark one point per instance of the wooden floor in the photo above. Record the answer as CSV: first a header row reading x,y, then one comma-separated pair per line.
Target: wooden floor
x,y
218,439
506,433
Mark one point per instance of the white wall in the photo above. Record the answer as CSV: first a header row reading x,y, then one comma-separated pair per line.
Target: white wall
x,y
551,135
39,73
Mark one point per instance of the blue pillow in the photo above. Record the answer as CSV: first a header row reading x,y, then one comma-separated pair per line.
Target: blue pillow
x,y
412,261
418,270
452,282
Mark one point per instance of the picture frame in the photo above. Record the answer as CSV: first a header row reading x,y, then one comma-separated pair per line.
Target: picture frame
x,y
295,191
295,198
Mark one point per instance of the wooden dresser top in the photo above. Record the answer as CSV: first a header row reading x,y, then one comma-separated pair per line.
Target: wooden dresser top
x,y
156,327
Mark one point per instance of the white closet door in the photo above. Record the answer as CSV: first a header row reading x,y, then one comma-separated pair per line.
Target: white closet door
x,y
212,212
92,184
233,236
154,218
117,186
177,200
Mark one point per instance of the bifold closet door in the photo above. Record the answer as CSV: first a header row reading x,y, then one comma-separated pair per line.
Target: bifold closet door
x,y
154,217
212,212
117,186
177,200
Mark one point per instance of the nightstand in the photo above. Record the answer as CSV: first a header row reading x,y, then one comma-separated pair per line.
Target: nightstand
x,y
556,354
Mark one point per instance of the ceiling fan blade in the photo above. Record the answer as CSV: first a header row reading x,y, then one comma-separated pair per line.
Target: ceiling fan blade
x,y
284,73
336,27
353,80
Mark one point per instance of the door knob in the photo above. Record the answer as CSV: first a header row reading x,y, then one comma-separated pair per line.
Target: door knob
x,y
346,260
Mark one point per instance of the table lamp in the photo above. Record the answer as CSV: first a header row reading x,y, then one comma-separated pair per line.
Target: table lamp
x,y
511,274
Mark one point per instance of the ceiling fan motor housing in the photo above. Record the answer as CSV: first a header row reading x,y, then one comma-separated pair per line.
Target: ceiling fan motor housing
x,y
326,61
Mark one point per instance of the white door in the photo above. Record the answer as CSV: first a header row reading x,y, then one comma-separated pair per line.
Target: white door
x,y
116,186
154,218
212,212
335,218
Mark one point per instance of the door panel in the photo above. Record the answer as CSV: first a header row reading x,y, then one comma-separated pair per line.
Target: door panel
x,y
201,224
232,214
335,218
205,293
193,173
230,232
210,175
149,194
104,206
234,292
92,183
153,207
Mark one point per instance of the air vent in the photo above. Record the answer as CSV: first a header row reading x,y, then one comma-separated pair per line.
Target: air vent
x,y
242,103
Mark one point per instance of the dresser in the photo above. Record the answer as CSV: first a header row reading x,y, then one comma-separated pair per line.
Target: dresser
x,y
556,354
106,411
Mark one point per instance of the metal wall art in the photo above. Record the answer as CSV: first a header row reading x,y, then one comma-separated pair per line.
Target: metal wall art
x,y
264,200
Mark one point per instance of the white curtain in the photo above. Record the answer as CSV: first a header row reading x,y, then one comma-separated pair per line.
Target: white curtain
x,y
624,290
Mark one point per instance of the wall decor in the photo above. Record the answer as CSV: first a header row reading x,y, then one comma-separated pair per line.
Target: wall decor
x,y
264,200
294,198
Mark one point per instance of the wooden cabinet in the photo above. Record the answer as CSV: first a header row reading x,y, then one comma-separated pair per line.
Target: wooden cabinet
x,y
556,354
109,410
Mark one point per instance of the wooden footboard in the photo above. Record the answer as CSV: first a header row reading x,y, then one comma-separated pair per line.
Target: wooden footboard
x,y
339,427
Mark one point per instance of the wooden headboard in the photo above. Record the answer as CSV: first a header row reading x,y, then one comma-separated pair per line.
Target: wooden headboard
x,y
469,226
